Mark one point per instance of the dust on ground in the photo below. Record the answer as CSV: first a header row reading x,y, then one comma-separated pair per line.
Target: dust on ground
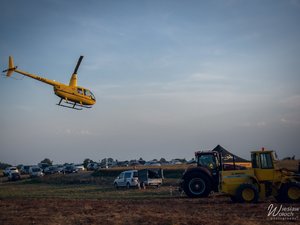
x,y
177,210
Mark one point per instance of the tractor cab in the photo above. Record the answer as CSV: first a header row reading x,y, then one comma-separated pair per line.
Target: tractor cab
x,y
263,164
209,159
262,159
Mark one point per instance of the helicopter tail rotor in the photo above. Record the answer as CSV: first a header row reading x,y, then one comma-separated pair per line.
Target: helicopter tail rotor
x,y
11,67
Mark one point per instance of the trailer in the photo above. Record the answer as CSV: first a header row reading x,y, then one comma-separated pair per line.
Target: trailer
x,y
150,177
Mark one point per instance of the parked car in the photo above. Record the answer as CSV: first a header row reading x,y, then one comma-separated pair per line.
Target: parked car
x,y
127,179
51,170
35,171
134,163
70,169
123,164
24,169
10,169
43,166
92,166
13,176
152,163
79,167
192,161
59,168
176,162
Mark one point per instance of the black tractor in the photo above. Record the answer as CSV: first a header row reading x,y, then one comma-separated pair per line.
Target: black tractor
x,y
201,180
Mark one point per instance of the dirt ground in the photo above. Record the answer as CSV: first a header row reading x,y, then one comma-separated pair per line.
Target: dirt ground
x,y
80,199
215,210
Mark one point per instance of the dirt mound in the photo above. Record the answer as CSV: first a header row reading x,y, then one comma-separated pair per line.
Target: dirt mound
x,y
288,164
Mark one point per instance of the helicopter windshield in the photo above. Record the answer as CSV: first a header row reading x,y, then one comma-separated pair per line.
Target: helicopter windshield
x,y
89,93
93,96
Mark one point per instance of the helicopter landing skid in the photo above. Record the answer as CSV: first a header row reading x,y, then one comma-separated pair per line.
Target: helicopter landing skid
x,y
72,105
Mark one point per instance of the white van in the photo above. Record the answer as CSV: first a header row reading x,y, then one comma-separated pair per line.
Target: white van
x,y
127,179
8,170
35,171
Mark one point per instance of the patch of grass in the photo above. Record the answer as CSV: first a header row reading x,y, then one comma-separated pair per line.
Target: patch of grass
x,y
38,191
30,181
82,186
79,186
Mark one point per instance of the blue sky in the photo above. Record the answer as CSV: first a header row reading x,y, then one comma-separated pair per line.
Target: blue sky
x,y
170,78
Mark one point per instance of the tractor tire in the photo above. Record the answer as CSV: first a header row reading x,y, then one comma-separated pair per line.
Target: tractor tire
x,y
247,193
289,193
197,186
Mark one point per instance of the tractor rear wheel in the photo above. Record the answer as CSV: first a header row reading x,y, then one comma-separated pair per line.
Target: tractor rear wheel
x,y
247,193
289,192
197,186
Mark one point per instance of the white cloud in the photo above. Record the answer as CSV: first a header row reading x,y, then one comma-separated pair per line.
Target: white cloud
x,y
203,77
290,121
75,132
292,101
253,124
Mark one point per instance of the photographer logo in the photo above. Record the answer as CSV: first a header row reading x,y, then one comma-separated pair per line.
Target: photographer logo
x,y
280,212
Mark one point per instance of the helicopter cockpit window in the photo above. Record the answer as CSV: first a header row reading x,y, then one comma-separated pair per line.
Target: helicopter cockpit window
x,y
89,93
79,90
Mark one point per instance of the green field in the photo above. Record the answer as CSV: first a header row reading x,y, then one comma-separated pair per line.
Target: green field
x,y
85,185
79,191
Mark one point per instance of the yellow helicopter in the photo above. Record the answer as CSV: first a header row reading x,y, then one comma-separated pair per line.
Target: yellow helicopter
x,y
74,97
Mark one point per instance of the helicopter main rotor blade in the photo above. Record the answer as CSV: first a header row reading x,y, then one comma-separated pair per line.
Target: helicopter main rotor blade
x,y
78,64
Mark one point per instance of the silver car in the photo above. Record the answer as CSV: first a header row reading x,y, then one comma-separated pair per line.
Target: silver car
x,y
127,179
35,171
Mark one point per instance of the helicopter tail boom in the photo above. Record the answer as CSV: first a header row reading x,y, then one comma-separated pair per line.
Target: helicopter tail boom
x,y
11,67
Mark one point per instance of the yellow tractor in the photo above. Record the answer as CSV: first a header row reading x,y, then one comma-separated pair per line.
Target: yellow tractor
x,y
241,184
261,181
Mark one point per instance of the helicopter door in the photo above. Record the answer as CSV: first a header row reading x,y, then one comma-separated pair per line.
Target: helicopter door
x,y
80,91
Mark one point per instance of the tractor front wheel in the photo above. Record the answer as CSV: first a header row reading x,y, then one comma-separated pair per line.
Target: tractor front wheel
x,y
289,192
247,193
197,186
